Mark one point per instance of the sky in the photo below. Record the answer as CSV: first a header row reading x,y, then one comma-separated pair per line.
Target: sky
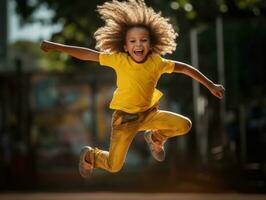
x,y
32,32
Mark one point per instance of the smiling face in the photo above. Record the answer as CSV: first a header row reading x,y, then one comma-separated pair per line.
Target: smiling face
x,y
137,43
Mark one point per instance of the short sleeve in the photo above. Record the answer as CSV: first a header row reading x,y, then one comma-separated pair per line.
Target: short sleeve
x,y
166,65
110,60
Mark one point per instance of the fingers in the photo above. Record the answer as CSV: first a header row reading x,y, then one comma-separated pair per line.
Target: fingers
x,y
221,95
218,95
44,46
220,92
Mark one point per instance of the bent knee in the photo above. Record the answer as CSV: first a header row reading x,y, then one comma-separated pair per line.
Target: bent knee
x,y
187,126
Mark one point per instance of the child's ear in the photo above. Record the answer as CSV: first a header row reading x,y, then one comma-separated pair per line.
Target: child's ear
x,y
125,48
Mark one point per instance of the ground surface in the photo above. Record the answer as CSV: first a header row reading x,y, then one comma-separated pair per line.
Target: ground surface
x,y
128,196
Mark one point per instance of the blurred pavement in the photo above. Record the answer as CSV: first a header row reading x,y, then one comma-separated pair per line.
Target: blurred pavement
x,y
129,196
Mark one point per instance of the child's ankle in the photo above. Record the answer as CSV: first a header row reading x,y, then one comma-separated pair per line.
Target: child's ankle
x,y
87,158
154,138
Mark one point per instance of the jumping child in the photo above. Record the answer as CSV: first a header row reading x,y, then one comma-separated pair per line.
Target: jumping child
x,y
132,42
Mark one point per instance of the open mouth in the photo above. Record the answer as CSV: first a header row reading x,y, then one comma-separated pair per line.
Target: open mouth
x,y
139,52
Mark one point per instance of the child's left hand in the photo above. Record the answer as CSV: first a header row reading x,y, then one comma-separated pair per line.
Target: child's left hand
x,y
217,90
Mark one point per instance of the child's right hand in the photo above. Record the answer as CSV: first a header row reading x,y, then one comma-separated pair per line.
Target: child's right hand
x,y
46,46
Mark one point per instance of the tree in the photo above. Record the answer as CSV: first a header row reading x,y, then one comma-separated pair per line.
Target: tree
x,y
80,20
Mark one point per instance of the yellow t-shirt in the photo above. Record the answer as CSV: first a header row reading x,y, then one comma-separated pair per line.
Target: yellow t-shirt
x,y
136,82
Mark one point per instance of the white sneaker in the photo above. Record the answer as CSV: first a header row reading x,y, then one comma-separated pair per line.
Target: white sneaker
x,y
85,168
156,148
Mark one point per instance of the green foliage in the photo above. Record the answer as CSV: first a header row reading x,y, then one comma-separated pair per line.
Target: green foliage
x,y
80,20
46,62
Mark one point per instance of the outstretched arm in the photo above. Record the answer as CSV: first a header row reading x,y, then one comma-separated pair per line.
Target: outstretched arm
x,y
75,51
216,89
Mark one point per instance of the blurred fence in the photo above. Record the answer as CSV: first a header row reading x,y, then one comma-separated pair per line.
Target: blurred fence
x,y
45,119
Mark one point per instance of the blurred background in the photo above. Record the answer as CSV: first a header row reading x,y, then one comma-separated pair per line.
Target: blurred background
x,y
51,104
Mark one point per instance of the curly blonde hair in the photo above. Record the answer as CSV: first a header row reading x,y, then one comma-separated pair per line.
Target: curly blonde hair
x,y
120,16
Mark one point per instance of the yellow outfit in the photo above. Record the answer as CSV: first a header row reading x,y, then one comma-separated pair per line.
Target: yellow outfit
x,y
135,103
136,82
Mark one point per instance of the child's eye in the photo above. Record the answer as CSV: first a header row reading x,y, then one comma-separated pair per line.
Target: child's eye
x,y
131,41
144,40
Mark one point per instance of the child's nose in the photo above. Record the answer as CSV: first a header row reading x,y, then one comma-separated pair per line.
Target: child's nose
x,y
138,43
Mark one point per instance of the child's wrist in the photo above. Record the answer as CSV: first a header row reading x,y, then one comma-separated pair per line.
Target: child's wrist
x,y
210,85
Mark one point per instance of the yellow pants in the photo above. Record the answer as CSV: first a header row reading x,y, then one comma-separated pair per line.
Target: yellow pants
x,y
125,127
